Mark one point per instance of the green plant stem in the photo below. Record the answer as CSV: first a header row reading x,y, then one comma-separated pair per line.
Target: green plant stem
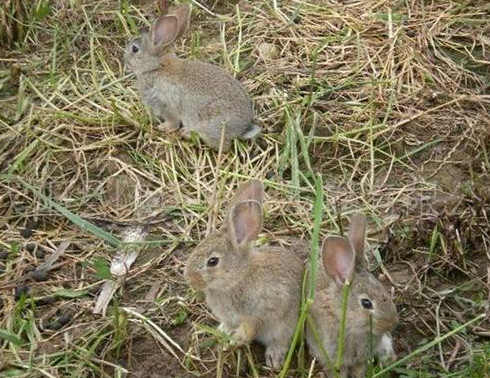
x,y
317,212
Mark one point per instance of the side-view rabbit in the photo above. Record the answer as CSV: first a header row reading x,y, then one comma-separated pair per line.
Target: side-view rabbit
x,y
254,292
188,95
371,313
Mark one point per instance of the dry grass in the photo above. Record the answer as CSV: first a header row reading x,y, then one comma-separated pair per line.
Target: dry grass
x,y
388,100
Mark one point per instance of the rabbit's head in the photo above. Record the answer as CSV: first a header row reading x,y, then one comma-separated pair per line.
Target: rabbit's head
x,y
145,52
222,258
344,261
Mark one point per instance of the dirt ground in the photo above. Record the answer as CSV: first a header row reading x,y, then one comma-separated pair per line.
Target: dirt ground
x,y
388,100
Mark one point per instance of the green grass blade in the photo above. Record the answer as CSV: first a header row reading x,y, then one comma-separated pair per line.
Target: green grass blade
x,y
318,212
78,221
14,339
429,345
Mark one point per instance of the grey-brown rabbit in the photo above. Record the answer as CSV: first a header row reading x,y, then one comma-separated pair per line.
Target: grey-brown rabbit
x,y
188,95
343,260
254,292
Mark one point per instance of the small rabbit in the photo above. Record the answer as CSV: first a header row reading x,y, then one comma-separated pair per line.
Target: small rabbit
x,y
343,260
188,95
254,292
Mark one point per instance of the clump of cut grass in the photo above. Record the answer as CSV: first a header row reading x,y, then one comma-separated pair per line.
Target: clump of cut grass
x,y
387,101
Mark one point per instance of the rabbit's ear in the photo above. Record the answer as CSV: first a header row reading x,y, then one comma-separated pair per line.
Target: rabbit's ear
x,y
183,13
357,236
164,30
244,223
163,6
251,190
338,258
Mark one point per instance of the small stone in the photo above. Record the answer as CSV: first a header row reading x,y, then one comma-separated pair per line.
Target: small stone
x,y
21,290
31,247
3,255
45,301
33,225
53,325
40,275
57,324
26,233
29,268
64,319
40,254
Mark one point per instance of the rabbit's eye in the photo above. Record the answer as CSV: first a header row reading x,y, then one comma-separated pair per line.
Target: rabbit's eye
x,y
367,304
213,261
135,49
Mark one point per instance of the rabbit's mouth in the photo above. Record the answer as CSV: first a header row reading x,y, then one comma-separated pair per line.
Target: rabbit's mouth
x,y
195,280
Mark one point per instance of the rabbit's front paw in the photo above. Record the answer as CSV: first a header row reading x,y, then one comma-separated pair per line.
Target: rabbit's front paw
x,y
224,328
243,334
274,356
186,133
169,126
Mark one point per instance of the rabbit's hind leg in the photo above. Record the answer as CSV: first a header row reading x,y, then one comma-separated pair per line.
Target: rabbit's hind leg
x,y
170,125
209,131
215,143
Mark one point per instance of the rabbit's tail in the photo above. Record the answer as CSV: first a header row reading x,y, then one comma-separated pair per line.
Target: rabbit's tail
x,y
252,132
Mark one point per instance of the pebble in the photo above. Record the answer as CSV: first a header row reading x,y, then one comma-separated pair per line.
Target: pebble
x,y
58,323
40,275
45,301
26,233
21,290
29,268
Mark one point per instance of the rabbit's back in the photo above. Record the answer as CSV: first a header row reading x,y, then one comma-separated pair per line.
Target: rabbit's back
x,y
201,95
209,81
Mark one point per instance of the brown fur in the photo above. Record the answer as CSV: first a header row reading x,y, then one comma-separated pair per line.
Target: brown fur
x,y
254,292
188,95
343,260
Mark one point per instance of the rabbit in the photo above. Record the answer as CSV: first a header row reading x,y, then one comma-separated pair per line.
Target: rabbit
x,y
188,95
343,260
255,293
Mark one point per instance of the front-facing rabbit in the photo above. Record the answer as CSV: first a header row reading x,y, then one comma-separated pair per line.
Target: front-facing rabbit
x,y
188,95
370,312
254,292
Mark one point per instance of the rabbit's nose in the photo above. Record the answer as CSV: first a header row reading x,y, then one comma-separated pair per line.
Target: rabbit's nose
x,y
391,322
195,280
386,323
